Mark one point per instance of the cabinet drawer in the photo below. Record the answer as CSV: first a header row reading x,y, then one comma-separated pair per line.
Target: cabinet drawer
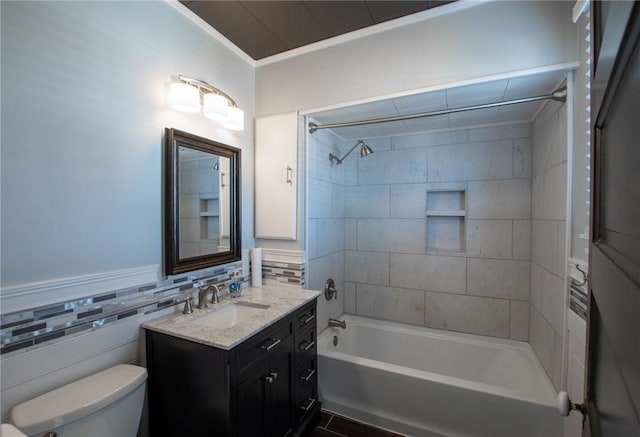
x,y
306,317
306,344
306,372
306,400
264,344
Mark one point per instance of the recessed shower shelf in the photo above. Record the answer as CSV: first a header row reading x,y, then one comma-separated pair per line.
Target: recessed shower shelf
x,y
439,213
445,219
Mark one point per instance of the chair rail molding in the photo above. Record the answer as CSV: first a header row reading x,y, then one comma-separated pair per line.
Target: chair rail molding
x,y
35,294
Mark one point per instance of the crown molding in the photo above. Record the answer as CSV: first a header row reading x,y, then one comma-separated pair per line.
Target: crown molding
x,y
190,15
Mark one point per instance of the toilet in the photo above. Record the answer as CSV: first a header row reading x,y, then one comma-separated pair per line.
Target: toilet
x,y
108,403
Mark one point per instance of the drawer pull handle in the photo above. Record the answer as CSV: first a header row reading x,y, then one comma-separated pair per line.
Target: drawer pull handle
x,y
307,346
309,375
306,319
310,402
271,377
273,344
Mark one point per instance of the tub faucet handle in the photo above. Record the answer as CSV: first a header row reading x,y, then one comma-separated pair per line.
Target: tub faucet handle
x,y
330,290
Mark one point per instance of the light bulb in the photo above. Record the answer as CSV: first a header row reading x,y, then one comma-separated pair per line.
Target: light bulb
x,y
216,107
236,118
185,97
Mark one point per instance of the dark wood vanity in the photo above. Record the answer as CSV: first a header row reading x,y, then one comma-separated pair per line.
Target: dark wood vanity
x,y
264,386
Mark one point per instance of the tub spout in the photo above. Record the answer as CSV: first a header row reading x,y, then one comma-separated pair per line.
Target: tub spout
x,y
337,323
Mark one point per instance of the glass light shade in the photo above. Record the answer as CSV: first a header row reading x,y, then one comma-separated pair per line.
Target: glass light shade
x,y
236,119
185,97
216,107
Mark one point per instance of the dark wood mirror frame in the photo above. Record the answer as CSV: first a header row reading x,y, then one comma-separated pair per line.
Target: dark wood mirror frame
x,y
173,264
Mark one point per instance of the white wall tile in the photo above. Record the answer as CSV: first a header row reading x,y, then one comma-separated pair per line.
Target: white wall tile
x,y
408,200
479,161
392,235
477,315
367,267
351,234
547,295
541,337
329,236
393,167
554,197
397,304
429,272
519,321
498,278
544,244
493,133
509,199
312,242
522,239
537,197
431,139
489,238
337,201
522,159
319,199
367,201
350,297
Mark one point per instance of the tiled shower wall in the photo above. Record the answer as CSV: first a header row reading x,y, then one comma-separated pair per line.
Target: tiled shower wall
x,y
390,274
548,235
325,220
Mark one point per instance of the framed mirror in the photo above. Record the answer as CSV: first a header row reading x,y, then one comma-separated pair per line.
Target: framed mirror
x,y
201,203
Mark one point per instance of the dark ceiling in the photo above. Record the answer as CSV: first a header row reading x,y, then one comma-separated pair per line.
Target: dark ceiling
x,y
265,28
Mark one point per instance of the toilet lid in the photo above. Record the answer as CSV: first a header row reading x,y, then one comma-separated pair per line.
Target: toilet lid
x,y
78,399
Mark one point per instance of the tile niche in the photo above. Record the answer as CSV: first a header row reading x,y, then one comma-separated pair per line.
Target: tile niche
x,y
446,214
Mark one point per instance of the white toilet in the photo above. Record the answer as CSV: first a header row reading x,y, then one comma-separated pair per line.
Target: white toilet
x,y
106,404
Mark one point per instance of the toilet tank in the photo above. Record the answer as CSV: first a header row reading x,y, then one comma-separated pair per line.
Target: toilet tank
x,y
108,403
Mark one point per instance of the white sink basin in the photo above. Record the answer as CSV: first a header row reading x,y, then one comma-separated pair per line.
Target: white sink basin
x,y
231,315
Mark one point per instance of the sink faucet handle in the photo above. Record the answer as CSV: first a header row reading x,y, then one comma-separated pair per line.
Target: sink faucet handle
x,y
215,296
188,309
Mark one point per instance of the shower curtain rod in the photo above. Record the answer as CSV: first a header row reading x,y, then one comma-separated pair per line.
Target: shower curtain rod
x,y
559,95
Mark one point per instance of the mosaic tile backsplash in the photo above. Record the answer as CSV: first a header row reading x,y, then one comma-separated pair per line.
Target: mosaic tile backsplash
x,y
283,273
36,326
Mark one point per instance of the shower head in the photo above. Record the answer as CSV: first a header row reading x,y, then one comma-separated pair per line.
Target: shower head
x,y
364,151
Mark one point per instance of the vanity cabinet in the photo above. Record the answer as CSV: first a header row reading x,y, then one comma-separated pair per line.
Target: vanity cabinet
x,y
276,194
264,387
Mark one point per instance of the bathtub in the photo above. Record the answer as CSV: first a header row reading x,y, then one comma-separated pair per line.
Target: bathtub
x,y
425,382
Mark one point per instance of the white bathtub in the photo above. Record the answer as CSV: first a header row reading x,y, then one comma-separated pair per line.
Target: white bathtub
x,y
425,382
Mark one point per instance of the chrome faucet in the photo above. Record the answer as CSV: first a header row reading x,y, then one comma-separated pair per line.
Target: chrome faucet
x,y
202,297
215,296
337,323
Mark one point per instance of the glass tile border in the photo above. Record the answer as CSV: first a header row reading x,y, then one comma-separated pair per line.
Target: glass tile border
x,y
30,328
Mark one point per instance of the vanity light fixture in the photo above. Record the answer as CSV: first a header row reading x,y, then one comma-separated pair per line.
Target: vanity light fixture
x,y
217,105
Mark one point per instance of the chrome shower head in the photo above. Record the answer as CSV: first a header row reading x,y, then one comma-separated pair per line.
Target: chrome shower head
x,y
364,151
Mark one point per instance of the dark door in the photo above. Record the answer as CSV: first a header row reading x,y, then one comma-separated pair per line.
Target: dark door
x,y
613,360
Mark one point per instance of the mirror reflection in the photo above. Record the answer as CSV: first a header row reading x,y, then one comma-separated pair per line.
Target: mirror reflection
x,y
202,198
203,203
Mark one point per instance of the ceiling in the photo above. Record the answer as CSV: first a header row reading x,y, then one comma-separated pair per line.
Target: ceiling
x,y
266,28
470,95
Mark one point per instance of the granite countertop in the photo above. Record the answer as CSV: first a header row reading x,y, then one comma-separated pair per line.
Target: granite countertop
x,y
282,300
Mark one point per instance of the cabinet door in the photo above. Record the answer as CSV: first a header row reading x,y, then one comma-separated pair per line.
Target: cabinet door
x,y
280,407
251,401
276,154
